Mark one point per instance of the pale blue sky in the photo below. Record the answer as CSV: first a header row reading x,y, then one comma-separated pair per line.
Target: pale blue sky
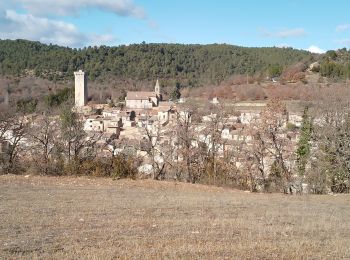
x,y
296,23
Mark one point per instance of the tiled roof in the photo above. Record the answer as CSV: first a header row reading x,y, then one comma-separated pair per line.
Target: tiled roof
x,y
138,95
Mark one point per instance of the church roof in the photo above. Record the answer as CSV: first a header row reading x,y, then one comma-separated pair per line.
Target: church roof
x,y
138,95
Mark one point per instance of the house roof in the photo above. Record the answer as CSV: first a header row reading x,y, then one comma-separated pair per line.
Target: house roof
x,y
138,95
95,117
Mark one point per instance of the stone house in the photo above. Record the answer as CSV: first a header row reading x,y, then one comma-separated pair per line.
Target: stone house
x,y
112,125
166,112
110,112
94,123
103,124
143,99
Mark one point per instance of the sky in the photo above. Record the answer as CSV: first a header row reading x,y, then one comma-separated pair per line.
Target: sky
x,y
311,25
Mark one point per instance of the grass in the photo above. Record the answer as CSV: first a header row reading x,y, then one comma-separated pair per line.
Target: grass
x,y
71,218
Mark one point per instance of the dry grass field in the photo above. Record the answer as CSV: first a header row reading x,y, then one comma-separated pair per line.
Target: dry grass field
x,y
82,218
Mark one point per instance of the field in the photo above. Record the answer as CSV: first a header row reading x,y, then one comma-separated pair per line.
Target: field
x,y
82,218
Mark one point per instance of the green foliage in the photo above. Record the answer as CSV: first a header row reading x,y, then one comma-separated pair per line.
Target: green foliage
x,y
69,119
56,99
122,95
176,94
195,64
332,69
27,105
274,70
336,64
331,54
291,127
303,150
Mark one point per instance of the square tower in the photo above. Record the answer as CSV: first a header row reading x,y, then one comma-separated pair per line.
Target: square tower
x,y
81,90
157,88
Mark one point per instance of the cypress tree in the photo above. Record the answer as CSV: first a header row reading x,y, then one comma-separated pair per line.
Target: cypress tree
x,y
303,151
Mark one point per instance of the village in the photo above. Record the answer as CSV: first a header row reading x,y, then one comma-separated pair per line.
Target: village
x,y
147,122
134,129
178,137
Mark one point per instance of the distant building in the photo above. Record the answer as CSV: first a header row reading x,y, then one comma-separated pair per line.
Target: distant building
x,y
94,123
181,100
103,124
215,101
143,99
81,89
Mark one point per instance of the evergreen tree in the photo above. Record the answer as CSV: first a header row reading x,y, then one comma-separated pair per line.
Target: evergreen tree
x,y
303,151
176,94
205,63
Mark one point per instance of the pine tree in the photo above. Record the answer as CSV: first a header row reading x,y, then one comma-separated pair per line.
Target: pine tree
x,y
176,94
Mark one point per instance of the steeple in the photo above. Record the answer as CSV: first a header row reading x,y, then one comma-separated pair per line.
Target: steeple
x,y
157,88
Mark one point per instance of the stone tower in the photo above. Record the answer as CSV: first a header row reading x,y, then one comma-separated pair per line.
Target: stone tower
x,y
157,88
81,90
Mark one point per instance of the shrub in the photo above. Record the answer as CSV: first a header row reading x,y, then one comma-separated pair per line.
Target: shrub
x,y
291,127
124,167
60,97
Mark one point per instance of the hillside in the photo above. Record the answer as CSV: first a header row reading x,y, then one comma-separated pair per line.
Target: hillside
x,y
336,64
32,70
193,64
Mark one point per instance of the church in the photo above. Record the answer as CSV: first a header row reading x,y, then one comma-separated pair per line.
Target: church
x,y
143,99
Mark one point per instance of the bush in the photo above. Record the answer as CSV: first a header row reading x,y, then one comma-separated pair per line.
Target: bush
x,y
124,167
291,127
60,97
27,105
117,167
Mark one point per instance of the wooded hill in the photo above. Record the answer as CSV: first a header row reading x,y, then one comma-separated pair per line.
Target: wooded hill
x,y
336,64
195,64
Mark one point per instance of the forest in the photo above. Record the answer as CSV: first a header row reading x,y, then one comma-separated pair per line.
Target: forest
x,y
195,64
35,72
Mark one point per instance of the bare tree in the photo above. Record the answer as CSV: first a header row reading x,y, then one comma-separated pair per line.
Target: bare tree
x,y
271,149
330,152
75,143
256,155
216,120
43,133
158,146
189,147
7,119
13,129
